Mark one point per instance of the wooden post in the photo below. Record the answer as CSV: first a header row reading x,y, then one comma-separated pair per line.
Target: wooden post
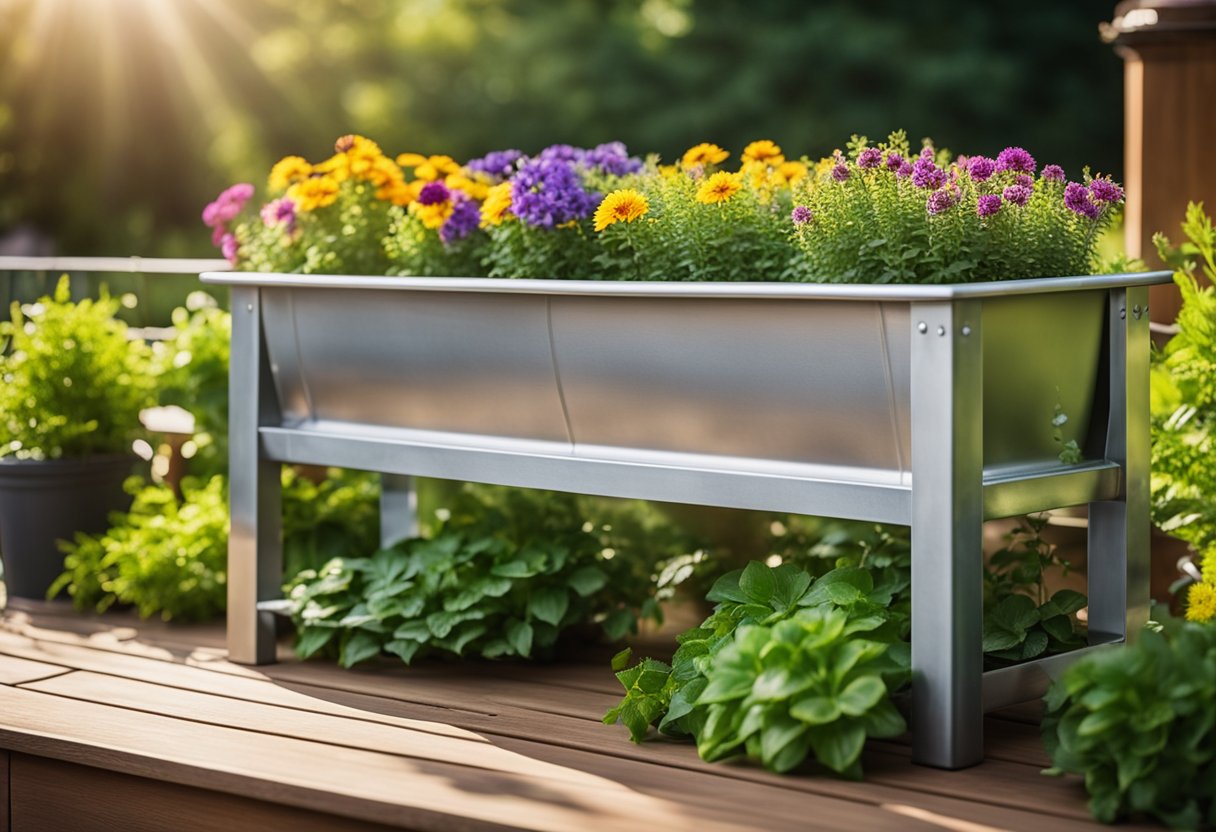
x,y
1169,53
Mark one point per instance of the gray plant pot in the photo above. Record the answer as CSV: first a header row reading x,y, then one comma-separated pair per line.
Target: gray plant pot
x,y
44,502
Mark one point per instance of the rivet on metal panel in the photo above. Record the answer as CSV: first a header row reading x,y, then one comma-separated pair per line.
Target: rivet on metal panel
x,y
249,307
966,330
922,327
941,330
1122,313
1136,311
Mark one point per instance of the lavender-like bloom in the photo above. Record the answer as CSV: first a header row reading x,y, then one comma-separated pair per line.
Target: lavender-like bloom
x,y
227,205
894,161
871,157
279,212
1024,180
939,201
465,218
1076,199
498,164
926,153
904,171
987,205
547,192
840,172
801,215
925,174
562,153
1019,195
1103,190
229,248
434,193
612,158
1053,173
1015,159
980,168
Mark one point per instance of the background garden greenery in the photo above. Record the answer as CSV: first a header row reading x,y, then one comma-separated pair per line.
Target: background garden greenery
x,y
118,120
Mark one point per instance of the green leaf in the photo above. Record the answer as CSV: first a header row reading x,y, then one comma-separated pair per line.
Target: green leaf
x,y
838,744
725,686
549,604
1017,613
360,646
519,636
776,738
862,694
414,631
816,710
312,639
757,583
619,624
405,650
515,569
588,580
726,588
780,683
621,660
884,721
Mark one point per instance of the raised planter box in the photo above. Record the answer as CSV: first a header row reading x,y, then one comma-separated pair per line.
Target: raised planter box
x,y
929,406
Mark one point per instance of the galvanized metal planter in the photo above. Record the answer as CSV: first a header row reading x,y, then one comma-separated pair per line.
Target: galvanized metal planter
x,y
931,406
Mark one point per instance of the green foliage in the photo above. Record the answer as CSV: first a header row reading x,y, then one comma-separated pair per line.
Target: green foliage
x,y
72,382
168,556
1183,394
415,250
517,250
1139,723
504,574
1020,621
775,673
878,227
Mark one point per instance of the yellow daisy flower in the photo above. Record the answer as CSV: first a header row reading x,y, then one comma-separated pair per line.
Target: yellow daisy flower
x,y
790,172
471,187
336,166
1201,602
313,193
719,188
703,154
497,205
287,171
763,151
620,206
433,216
436,167
411,160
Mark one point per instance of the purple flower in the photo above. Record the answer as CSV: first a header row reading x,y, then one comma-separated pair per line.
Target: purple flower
x,y
547,192
1019,195
434,193
228,247
894,161
840,172
1076,199
871,157
925,174
498,165
1015,159
1053,173
1104,190
939,202
801,215
987,205
980,168
227,205
279,212
1024,180
926,153
465,218
562,153
612,158
905,170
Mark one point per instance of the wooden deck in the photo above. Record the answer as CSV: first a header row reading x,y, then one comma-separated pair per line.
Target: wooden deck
x,y
108,723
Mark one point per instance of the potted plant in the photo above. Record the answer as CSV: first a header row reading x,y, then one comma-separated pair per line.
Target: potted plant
x,y
73,386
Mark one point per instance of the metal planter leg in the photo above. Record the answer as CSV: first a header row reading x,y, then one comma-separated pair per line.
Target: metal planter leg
x,y
398,509
947,528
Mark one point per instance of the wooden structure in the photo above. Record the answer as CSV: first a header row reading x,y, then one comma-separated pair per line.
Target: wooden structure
x,y
108,723
1169,53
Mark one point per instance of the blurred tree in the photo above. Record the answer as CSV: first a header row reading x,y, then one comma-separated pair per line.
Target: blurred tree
x,y
120,119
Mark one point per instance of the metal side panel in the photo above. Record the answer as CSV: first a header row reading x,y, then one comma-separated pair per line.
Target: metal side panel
x,y
750,379
463,363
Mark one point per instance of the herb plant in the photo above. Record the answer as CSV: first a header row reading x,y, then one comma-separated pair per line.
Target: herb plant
x,y
72,383
1139,724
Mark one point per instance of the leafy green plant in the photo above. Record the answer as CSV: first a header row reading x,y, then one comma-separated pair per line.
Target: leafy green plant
x,y
1139,723
776,673
504,574
73,383
1020,621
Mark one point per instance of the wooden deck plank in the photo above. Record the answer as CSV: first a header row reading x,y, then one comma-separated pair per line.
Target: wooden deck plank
x,y
360,784
14,671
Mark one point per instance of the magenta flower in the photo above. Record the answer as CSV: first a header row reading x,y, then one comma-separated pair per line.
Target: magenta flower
x,y
925,174
229,247
894,161
1076,199
1015,159
939,202
279,212
434,193
1104,190
905,170
227,205
1053,173
980,168
987,205
1024,180
1019,195
871,157
801,215
840,172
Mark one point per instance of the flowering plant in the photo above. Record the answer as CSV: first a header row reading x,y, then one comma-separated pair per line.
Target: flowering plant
x,y
876,214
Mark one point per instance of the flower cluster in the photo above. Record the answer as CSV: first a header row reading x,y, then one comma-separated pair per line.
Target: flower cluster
x,y
876,213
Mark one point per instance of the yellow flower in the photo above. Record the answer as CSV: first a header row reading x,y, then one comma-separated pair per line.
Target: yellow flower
x,y
498,202
703,154
620,206
287,171
336,166
395,191
719,188
1201,602
668,171
411,160
363,157
313,193
790,172
763,151
433,216
824,166
436,167
471,187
